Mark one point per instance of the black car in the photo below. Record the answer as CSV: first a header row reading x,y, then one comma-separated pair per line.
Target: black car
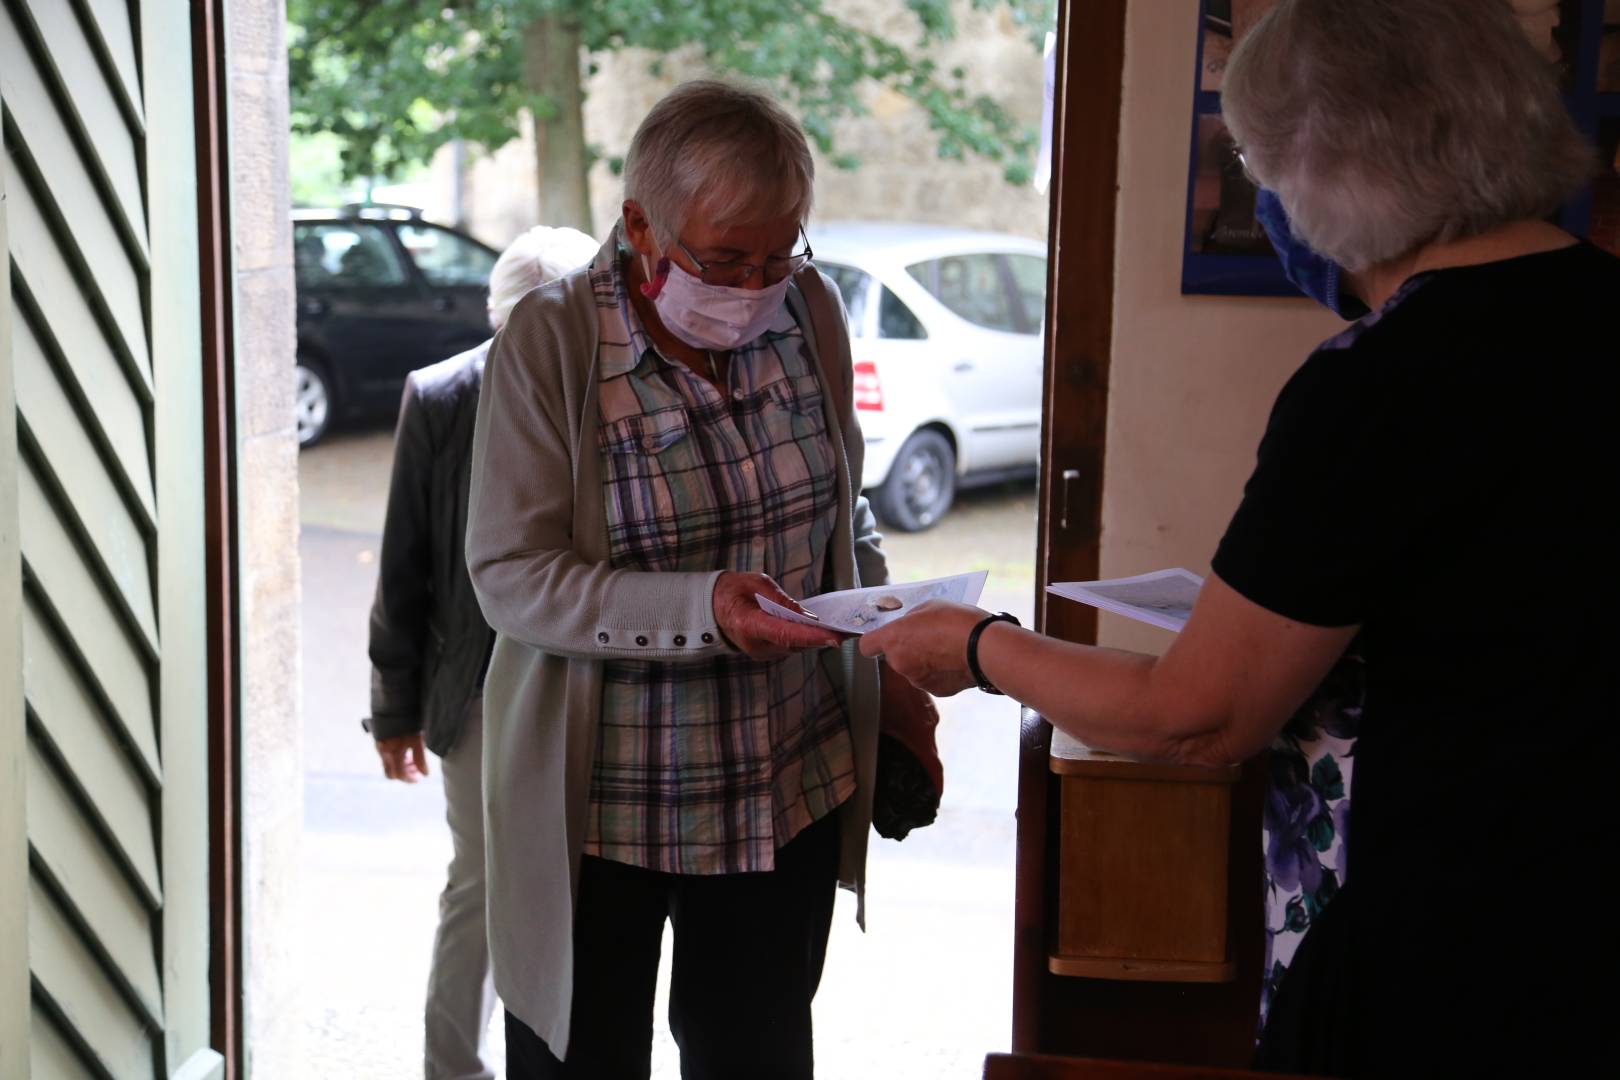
x,y
381,292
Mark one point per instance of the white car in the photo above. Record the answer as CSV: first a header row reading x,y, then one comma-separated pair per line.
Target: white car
x,y
945,329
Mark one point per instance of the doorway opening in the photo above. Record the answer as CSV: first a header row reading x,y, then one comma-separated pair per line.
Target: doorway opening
x,y
942,266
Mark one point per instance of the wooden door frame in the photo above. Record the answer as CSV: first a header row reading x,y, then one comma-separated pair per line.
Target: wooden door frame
x,y
1087,99
1204,1024
210,90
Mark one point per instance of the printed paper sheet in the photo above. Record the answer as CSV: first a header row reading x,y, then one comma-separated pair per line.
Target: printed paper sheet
x,y
1163,598
859,611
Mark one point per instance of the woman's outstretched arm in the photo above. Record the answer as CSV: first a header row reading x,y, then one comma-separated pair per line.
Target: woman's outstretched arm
x,y
1220,694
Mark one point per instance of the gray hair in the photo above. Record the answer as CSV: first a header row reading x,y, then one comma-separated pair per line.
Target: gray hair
x,y
720,149
1383,125
531,260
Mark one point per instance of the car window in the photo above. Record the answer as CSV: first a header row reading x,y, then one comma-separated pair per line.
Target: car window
x,y
856,287
970,286
1029,278
446,259
344,255
895,319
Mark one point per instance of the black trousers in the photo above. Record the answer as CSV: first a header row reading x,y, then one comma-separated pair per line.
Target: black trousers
x,y
749,950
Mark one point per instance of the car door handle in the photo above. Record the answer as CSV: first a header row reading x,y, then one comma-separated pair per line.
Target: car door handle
x,y
963,366
443,303
315,307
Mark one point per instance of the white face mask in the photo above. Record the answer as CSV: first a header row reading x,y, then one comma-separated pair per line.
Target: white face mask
x,y
711,316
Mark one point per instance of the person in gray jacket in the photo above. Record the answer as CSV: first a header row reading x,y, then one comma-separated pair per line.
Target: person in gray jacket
x,y
662,436
430,645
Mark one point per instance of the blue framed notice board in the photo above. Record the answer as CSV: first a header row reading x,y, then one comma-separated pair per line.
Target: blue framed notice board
x,y
1225,252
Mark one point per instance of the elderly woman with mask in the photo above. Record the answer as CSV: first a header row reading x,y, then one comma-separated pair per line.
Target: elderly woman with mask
x,y
1427,479
663,436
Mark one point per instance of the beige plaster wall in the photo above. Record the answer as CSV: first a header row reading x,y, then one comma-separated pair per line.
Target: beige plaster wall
x,y
272,793
1193,378
901,177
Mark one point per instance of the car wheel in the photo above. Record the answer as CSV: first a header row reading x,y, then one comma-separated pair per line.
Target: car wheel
x,y
921,483
313,402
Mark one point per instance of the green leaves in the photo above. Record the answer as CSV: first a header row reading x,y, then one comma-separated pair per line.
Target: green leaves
x,y
1320,832
396,79
1327,779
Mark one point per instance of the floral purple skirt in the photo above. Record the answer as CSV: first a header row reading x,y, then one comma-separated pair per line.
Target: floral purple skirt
x,y
1307,816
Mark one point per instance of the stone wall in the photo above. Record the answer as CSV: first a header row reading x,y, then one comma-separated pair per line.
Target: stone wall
x,y
901,177
267,536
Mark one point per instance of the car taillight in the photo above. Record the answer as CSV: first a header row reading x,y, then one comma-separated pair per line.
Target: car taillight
x,y
868,387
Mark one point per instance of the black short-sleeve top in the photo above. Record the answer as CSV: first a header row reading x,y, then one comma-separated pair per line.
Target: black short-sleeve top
x,y
1444,475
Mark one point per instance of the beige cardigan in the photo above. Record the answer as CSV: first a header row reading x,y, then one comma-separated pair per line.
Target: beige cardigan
x,y
538,552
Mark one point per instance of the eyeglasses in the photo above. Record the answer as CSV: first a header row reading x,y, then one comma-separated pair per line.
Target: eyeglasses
x,y
734,274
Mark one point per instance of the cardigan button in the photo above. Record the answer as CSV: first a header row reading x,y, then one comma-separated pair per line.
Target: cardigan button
x,y
641,639
602,637
708,638
680,641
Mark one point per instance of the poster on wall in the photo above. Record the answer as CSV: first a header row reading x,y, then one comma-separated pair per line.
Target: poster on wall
x,y
1225,23
1226,252
1604,226
1608,81
1223,221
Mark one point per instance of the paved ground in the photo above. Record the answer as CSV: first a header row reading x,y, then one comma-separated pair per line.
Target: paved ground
x,y
924,994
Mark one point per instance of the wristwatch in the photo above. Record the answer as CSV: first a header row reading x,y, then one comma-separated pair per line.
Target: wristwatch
x,y
973,649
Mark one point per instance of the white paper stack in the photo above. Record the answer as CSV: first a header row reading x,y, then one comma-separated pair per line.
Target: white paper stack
x,y
1163,598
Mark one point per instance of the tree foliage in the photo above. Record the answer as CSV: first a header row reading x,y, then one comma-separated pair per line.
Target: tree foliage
x,y
396,79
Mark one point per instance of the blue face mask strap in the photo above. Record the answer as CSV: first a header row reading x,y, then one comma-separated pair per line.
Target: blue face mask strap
x,y
1345,305
1331,288
1313,273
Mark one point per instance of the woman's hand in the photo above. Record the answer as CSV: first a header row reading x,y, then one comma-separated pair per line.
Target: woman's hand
x,y
755,634
929,646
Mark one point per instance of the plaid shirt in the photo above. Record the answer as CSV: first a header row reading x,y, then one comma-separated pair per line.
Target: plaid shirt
x,y
709,767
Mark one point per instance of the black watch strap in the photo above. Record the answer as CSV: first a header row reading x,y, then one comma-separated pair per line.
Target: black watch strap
x,y
973,649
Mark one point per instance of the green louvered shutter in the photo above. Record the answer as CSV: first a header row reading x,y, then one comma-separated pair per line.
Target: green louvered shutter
x,y
103,751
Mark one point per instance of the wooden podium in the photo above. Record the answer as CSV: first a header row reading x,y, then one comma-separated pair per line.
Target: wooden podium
x,y
1139,922
1142,891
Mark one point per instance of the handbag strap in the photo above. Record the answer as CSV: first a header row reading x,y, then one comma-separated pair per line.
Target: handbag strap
x,y
824,311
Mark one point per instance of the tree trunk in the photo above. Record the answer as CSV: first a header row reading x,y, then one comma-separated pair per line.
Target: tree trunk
x,y
551,70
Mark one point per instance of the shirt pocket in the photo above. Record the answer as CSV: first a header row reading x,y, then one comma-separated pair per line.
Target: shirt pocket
x,y
644,460
792,407
645,433
800,460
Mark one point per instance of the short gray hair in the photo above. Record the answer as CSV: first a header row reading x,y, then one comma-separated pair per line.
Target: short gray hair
x,y
531,260
1383,125
721,149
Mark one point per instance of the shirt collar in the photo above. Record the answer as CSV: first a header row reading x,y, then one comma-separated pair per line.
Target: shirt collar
x,y
624,342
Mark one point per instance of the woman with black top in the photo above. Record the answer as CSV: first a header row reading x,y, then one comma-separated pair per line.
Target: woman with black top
x,y
1432,497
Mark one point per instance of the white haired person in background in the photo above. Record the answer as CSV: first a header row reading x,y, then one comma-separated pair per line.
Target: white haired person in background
x,y
1426,480
662,436
429,646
